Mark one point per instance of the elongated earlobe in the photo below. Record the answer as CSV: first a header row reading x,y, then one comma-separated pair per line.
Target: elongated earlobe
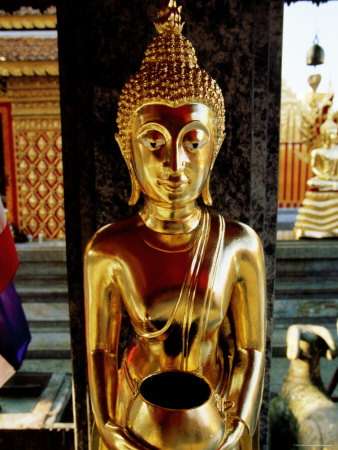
x,y
206,196
206,193
135,187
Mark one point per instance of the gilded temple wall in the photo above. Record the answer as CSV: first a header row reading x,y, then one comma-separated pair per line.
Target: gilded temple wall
x,y
36,182
293,169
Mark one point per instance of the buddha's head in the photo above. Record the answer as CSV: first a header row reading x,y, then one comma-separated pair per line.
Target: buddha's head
x,y
170,118
329,132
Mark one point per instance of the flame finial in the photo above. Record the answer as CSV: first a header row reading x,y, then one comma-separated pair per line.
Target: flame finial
x,y
169,18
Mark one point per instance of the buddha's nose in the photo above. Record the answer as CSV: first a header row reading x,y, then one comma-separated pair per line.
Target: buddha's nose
x,y
176,158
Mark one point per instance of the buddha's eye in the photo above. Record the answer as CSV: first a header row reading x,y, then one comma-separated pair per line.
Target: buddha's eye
x,y
194,140
152,139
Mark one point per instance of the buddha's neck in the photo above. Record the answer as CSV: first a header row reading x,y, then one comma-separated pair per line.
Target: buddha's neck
x,y
178,220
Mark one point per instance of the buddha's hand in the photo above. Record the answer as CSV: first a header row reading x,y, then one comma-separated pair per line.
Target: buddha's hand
x,y
116,438
234,430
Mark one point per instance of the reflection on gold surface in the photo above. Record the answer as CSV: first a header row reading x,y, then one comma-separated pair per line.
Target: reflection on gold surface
x,y
191,281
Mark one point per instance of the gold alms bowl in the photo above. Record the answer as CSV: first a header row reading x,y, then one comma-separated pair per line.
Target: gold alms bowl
x,y
176,410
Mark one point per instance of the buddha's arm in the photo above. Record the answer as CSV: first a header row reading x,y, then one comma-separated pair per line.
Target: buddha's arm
x,y
313,162
247,314
317,163
103,320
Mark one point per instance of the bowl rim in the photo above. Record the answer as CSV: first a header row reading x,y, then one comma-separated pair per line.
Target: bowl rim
x,y
211,390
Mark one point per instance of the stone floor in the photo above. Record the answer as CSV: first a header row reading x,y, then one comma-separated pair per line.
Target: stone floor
x,y
42,396
47,365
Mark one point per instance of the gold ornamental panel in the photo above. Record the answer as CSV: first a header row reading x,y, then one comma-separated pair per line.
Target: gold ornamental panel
x,y
38,163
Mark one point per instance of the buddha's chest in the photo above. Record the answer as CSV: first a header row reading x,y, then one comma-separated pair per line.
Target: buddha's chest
x,y
327,164
174,293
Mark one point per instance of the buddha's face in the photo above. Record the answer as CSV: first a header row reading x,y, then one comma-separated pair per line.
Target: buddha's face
x,y
329,131
172,151
333,136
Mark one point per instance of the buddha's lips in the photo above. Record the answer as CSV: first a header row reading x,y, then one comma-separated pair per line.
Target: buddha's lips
x,y
173,185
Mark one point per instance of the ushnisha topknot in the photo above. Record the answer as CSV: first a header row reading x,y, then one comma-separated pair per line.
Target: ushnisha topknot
x,y
169,75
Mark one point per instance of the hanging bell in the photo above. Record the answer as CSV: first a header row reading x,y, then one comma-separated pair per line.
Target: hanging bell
x,y
315,55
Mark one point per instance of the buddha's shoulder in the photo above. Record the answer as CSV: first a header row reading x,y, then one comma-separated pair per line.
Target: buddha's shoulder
x,y
113,235
234,229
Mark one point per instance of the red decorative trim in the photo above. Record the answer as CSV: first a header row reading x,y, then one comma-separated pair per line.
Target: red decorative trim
x,y
8,258
9,162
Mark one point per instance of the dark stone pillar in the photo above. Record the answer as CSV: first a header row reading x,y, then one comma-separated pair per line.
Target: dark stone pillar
x,y
101,44
76,96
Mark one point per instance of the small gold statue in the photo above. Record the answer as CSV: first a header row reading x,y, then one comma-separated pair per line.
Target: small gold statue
x,y
324,161
314,113
318,217
304,415
191,281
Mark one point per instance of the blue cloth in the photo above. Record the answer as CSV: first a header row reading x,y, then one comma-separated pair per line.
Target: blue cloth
x,y
14,331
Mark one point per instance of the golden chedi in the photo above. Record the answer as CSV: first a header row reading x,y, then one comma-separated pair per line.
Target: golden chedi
x,y
318,217
191,281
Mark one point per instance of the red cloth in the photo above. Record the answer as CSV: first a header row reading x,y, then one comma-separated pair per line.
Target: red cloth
x,y
8,258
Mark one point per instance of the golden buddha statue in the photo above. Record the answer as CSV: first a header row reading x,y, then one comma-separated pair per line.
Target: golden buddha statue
x,y
314,113
191,281
318,217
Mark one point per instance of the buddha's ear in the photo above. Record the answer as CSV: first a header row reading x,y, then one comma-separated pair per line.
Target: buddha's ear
x,y
206,196
135,187
119,142
220,143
